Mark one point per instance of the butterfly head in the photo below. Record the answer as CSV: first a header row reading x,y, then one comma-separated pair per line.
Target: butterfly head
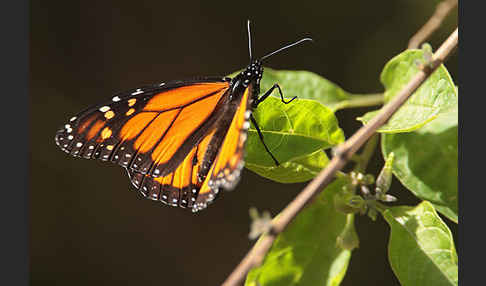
x,y
252,74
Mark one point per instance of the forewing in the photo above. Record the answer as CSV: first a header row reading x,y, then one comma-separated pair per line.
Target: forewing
x,y
149,130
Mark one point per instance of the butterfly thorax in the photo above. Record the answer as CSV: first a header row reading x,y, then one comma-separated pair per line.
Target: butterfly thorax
x,y
250,76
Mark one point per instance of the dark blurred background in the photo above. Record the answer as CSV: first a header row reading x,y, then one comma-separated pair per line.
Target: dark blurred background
x,y
88,226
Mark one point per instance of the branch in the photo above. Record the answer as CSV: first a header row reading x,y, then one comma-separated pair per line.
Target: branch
x,y
441,11
343,153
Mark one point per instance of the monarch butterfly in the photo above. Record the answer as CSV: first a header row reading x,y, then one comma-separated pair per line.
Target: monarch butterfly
x,y
179,141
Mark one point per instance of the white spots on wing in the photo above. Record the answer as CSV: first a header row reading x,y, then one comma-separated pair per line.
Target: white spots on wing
x,y
79,144
116,99
246,125
109,147
247,114
104,108
162,84
138,91
156,171
136,182
198,207
91,147
70,137
128,155
68,128
72,119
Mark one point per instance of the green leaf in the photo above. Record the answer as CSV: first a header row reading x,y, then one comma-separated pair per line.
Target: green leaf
x,y
297,170
426,162
421,248
309,251
292,132
305,85
435,96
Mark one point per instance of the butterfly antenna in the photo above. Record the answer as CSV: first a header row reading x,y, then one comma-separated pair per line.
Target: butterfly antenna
x,y
284,48
249,39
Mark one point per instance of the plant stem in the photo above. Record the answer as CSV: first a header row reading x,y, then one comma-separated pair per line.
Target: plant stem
x,y
441,11
362,100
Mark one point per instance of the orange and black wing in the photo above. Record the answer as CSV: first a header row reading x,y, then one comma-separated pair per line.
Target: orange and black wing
x,y
215,162
180,187
226,168
149,130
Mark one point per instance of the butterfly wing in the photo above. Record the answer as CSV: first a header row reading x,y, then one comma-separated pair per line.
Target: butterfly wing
x,y
215,162
226,168
181,187
149,130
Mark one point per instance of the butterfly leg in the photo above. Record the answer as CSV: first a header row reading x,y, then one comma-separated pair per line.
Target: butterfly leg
x,y
261,138
267,94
